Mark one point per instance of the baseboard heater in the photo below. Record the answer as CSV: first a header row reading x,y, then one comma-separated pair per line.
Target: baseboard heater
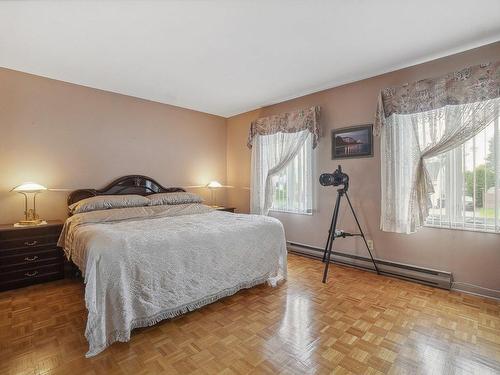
x,y
439,279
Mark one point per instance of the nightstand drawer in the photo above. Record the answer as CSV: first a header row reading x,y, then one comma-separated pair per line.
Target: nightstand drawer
x,y
28,242
55,269
12,233
30,259
26,250
18,279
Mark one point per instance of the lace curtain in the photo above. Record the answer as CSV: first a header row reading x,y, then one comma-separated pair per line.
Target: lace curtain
x,y
275,141
423,120
270,154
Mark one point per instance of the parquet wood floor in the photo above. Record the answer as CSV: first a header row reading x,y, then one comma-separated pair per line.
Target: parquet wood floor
x,y
358,323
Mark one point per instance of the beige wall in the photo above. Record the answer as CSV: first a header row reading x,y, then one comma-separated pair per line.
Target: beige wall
x,y
472,257
68,136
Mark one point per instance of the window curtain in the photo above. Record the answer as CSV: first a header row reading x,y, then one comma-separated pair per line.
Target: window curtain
x,y
275,141
421,120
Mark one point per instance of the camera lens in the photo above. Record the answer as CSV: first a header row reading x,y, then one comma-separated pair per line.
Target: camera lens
x,y
326,179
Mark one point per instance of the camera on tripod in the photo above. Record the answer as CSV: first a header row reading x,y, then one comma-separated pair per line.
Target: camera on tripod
x,y
335,179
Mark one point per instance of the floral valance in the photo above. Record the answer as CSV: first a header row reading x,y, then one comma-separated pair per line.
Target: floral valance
x,y
469,85
291,122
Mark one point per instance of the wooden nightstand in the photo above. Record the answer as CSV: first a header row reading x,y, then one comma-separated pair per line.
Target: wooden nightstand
x,y
228,209
29,255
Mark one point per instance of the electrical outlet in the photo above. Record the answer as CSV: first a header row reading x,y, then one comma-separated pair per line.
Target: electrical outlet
x,y
370,244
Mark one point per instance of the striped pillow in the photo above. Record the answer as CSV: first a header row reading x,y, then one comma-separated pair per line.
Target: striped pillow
x,y
104,202
173,198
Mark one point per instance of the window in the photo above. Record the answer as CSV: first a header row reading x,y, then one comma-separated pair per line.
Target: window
x,y
467,184
292,187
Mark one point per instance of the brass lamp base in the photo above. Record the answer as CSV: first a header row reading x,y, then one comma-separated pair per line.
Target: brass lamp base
x,y
27,223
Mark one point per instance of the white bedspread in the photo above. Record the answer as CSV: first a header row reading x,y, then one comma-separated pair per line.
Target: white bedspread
x,y
145,264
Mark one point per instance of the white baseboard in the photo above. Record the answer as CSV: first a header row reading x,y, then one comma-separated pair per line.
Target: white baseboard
x,y
476,290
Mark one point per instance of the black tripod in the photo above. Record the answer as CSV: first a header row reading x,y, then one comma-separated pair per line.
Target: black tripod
x,y
334,233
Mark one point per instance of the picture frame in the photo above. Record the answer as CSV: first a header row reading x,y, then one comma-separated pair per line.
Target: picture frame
x,y
352,142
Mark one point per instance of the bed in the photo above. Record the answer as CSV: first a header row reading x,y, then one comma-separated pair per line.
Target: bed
x,y
146,263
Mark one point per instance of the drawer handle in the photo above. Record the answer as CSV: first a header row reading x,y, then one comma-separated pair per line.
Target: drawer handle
x,y
33,243
31,259
31,274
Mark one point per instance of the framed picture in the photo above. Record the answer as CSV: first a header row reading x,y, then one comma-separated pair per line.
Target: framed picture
x,y
352,142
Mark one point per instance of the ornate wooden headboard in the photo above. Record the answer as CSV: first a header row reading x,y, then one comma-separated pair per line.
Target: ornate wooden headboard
x,y
133,184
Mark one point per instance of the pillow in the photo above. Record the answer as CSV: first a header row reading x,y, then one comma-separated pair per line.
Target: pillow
x,y
103,202
173,198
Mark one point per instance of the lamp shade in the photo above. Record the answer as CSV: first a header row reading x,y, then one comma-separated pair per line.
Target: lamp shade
x,y
29,187
214,184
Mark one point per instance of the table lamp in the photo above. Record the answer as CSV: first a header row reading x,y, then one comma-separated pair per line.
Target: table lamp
x,y
213,186
30,215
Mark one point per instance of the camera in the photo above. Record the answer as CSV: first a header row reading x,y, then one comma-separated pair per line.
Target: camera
x,y
334,179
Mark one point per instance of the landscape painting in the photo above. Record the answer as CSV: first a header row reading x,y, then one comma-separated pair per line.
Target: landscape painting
x,y
352,142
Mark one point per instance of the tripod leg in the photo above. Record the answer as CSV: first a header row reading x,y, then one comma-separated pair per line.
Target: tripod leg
x,y
332,235
362,234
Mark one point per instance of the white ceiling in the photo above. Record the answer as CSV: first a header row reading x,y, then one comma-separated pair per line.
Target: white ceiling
x,y
228,57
